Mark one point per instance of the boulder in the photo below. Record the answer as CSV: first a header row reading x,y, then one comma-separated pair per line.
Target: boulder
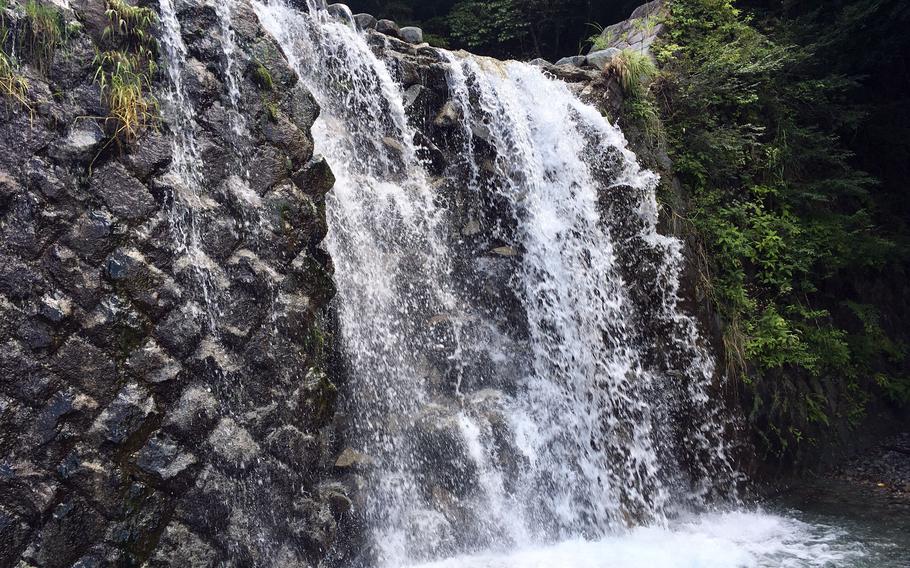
x,y
574,61
602,58
389,28
365,21
412,34
340,11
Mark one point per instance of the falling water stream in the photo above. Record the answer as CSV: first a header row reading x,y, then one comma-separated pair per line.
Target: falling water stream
x,y
563,419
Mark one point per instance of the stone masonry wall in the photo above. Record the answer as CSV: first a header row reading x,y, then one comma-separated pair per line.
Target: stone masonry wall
x,y
143,422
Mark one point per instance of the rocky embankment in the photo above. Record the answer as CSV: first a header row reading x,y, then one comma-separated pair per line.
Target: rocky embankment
x,y
885,465
163,401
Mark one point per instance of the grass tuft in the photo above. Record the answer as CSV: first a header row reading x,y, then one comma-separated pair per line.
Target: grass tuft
x,y
634,70
45,32
13,85
127,69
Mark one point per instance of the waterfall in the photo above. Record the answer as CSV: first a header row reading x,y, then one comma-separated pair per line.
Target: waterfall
x,y
489,430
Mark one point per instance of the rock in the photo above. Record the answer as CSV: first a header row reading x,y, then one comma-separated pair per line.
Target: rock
x,y
63,404
233,442
55,307
150,363
602,58
83,364
352,459
365,22
162,457
82,143
411,34
539,62
181,330
72,527
22,376
290,139
194,413
315,178
341,12
92,235
180,547
125,415
505,251
201,84
124,195
574,61
292,446
449,116
150,155
80,280
389,28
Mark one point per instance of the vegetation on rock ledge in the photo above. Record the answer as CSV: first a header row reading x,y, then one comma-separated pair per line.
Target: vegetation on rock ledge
x,y
126,69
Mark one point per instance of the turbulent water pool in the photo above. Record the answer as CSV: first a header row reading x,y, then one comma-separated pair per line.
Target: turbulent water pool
x,y
825,525
719,540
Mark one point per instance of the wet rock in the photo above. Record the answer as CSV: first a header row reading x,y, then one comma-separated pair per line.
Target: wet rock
x,y
539,62
63,404
411,34
180,547
181,330
80,363
124,195
151,364
352,459
315,178
201,84
78,279
365,21
125,415
194,414
73,527
340,11
55,307
233,442
83,142
290,445
92,235
268,166
389,28
162,456
285,135
150,156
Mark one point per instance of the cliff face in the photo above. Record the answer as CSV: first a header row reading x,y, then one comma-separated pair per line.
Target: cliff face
x,y
162,400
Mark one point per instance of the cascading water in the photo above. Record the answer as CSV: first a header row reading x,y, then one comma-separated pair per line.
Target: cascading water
x,y
569,404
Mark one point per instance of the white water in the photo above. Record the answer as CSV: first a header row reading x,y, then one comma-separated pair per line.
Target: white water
x,y
730,540
586,435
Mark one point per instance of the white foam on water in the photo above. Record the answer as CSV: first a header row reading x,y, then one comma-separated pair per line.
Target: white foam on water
x,y
720,540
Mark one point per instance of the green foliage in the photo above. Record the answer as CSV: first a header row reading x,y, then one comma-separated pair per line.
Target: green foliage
x,y
126,70
484,25
779,212
44,33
